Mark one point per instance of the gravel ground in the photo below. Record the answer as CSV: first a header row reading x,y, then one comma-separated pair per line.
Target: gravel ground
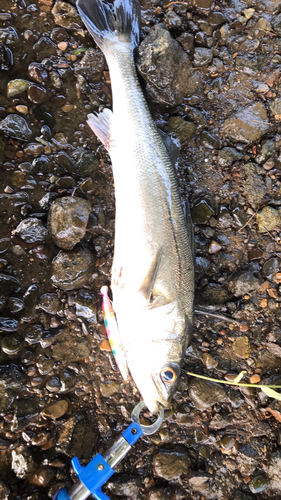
x,y
211,75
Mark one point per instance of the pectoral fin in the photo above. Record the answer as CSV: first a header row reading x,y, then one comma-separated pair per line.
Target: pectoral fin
x,y
146,288
101,125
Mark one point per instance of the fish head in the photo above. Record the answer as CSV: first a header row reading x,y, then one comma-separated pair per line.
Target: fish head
x,y
155,350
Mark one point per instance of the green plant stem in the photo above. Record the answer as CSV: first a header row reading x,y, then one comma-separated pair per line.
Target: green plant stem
x,y
232,383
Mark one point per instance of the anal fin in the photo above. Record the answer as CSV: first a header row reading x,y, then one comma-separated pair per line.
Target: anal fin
x,y
101,125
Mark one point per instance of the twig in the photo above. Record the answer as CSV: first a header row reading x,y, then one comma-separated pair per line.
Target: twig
x,y
173,3
248,222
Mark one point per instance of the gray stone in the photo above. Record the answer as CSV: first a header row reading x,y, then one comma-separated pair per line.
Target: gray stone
x,y
185,131
50,303
275,106
247,125
271,267
276,24
125,486
202,56
66,16
67,220
164,66
254,186
227,156
71,270
91,66
15,127
205,394
32,230
243,282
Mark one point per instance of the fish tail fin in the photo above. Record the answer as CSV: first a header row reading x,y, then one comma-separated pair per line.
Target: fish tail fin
x,y
110,24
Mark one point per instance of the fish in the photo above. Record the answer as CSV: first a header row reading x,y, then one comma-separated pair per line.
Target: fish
x,y
152,279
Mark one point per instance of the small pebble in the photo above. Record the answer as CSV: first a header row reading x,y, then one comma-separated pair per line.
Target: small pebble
x,y
214,247
255,379
67,108
34,148
22,109
56,410
62,45
105,345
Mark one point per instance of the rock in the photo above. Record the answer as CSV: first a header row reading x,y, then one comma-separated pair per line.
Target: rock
x,y
45,48
42,165
271,267
91,66
36,94
186,40
87,163
227,156
11,344
66,16
22,462
27,407
199,482
209,141
254,186
213,294
15,127
227,442
6,58
56,410
243,282
16,87
185,131
34,148
275,107
205,394
8,286
30,300
4,490
258,483
66,162
38,73
202,4
109,388
86,305
241,347
125,486
274,470
247,125
33,334
8,324
202,56
267,219
32,231
164,66
216,18
68,219
201,212
276,24
50,303
47,200
42,477
170,464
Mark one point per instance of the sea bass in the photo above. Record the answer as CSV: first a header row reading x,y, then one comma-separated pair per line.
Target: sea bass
x,y
153,271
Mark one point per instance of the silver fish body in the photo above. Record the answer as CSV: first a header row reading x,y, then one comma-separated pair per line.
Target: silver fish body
x,y
153,270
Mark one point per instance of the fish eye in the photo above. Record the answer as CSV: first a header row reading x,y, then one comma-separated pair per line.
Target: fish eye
x,y
169,374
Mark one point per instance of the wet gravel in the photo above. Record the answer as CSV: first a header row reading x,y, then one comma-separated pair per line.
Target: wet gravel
x,y
211,75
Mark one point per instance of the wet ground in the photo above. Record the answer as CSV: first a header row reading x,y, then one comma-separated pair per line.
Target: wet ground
x,y
211,74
